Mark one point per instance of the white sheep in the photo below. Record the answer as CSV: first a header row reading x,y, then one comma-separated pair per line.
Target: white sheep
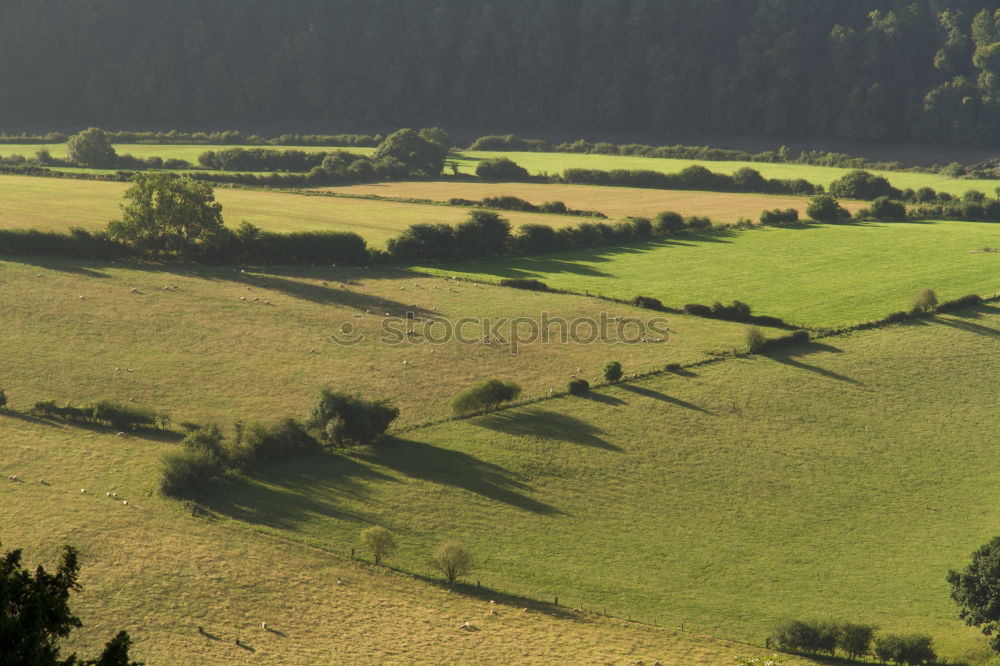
x,y
341,581
12,477
133,290
263,625
267,302
83,298
125,502
123,435
83,491
466,626
243,298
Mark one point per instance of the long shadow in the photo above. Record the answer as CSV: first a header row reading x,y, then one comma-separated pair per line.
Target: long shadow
x,y
789,356
63,265
532,421
602,398
30,419
656,395
969,327
419,460
291,493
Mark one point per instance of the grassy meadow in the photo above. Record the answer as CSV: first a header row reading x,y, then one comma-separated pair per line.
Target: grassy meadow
x,y
823,275
203,354
156,571
612,201
91,204
556,163
835,480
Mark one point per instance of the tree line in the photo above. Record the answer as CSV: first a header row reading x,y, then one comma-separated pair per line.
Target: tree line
x,y
869,70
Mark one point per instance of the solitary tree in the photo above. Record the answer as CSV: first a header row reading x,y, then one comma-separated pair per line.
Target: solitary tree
x,y
452,560
35,614
755,339
976,590
92,148
378,541
925,300
164,212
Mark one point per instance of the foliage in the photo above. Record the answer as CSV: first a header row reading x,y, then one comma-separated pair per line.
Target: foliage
x,y
647,303
859,184
485,396
778,217
35,614
578,386
378,541
501,168
3,399
960,303
826,208
166,213
925,300
524,283
424,242
612,371
883,208
189,473
416,153
755,339
350,420
855,639
693,177
483,234
912,649
976,590
92,148
452,559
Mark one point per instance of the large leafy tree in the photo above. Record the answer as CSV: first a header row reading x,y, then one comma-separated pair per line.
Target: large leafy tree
x,y
416,152
976,590
35,614
164,212
92,148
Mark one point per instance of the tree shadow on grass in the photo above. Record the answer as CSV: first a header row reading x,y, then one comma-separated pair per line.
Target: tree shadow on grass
x,y
532,421
420,460
293,492
602,398
789,356
656,395
60,264
961,321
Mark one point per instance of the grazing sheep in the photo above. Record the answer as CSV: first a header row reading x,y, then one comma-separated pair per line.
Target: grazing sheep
x,y
492,602
550,391
83,491
312,350
402,288
263,625
123,435
129,370
493,611
466,626
44,482
133,290
12,477
125,502
406,362
243,298
579,369
133,400
267,302
166,289
108,494
524,610
325,283
256,298
387,314
83,298
341,581
39,275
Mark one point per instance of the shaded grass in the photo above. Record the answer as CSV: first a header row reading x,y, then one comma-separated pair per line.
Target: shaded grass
x,y
817,276
202,354
189,152
809,483
612,201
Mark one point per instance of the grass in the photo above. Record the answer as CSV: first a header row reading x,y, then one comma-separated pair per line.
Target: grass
x,y
154,570
556,163
819,276
91,204
612,201
204,355
836,480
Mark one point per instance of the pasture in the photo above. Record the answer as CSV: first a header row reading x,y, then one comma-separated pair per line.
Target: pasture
x,y
91,204
840,479
189,152
612,201
556,163
822,275
211,350
155,570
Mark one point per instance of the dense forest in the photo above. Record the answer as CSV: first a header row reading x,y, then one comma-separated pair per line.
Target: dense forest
x,y
865,69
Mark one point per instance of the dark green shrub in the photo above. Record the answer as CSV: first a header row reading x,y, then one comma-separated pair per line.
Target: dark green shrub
x,y
345,420
524,283
613,371
860,184
755,339
206,439
897,317
912,649
483,234
647,302
484,396
501,168
643,227
458,201
424,242
884,208
124,416
778,217
668,222
855,639
578,387
553,207
825,208
187,474
508,202
925,300
698,223
255,445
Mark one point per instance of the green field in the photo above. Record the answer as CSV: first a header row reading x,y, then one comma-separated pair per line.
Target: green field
x,y
556,163
837,480
189,152
818,276
204,355
91,204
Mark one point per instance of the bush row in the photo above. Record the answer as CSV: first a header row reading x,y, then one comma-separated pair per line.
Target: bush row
x,y
246,244
227,137
694,177
260,159
735,311
508,202
856,640
104,412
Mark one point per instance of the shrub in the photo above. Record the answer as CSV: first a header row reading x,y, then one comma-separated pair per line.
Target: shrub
x,y
924,300
187,474
378,541
796,338
613,371
501,168
343,419
862,185
206,439
855,639
698,223
967,301
553,207
3,399
524,283
123,416
884,208
910,649
484,396
825,208
755,339
668,222
424,242
778,217
508,202
578,387
536,238
647,302
452,560
256,444
483,234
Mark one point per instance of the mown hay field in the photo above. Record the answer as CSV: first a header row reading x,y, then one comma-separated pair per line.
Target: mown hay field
x,y
203,354
839,480
56,204
822,275
612,201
